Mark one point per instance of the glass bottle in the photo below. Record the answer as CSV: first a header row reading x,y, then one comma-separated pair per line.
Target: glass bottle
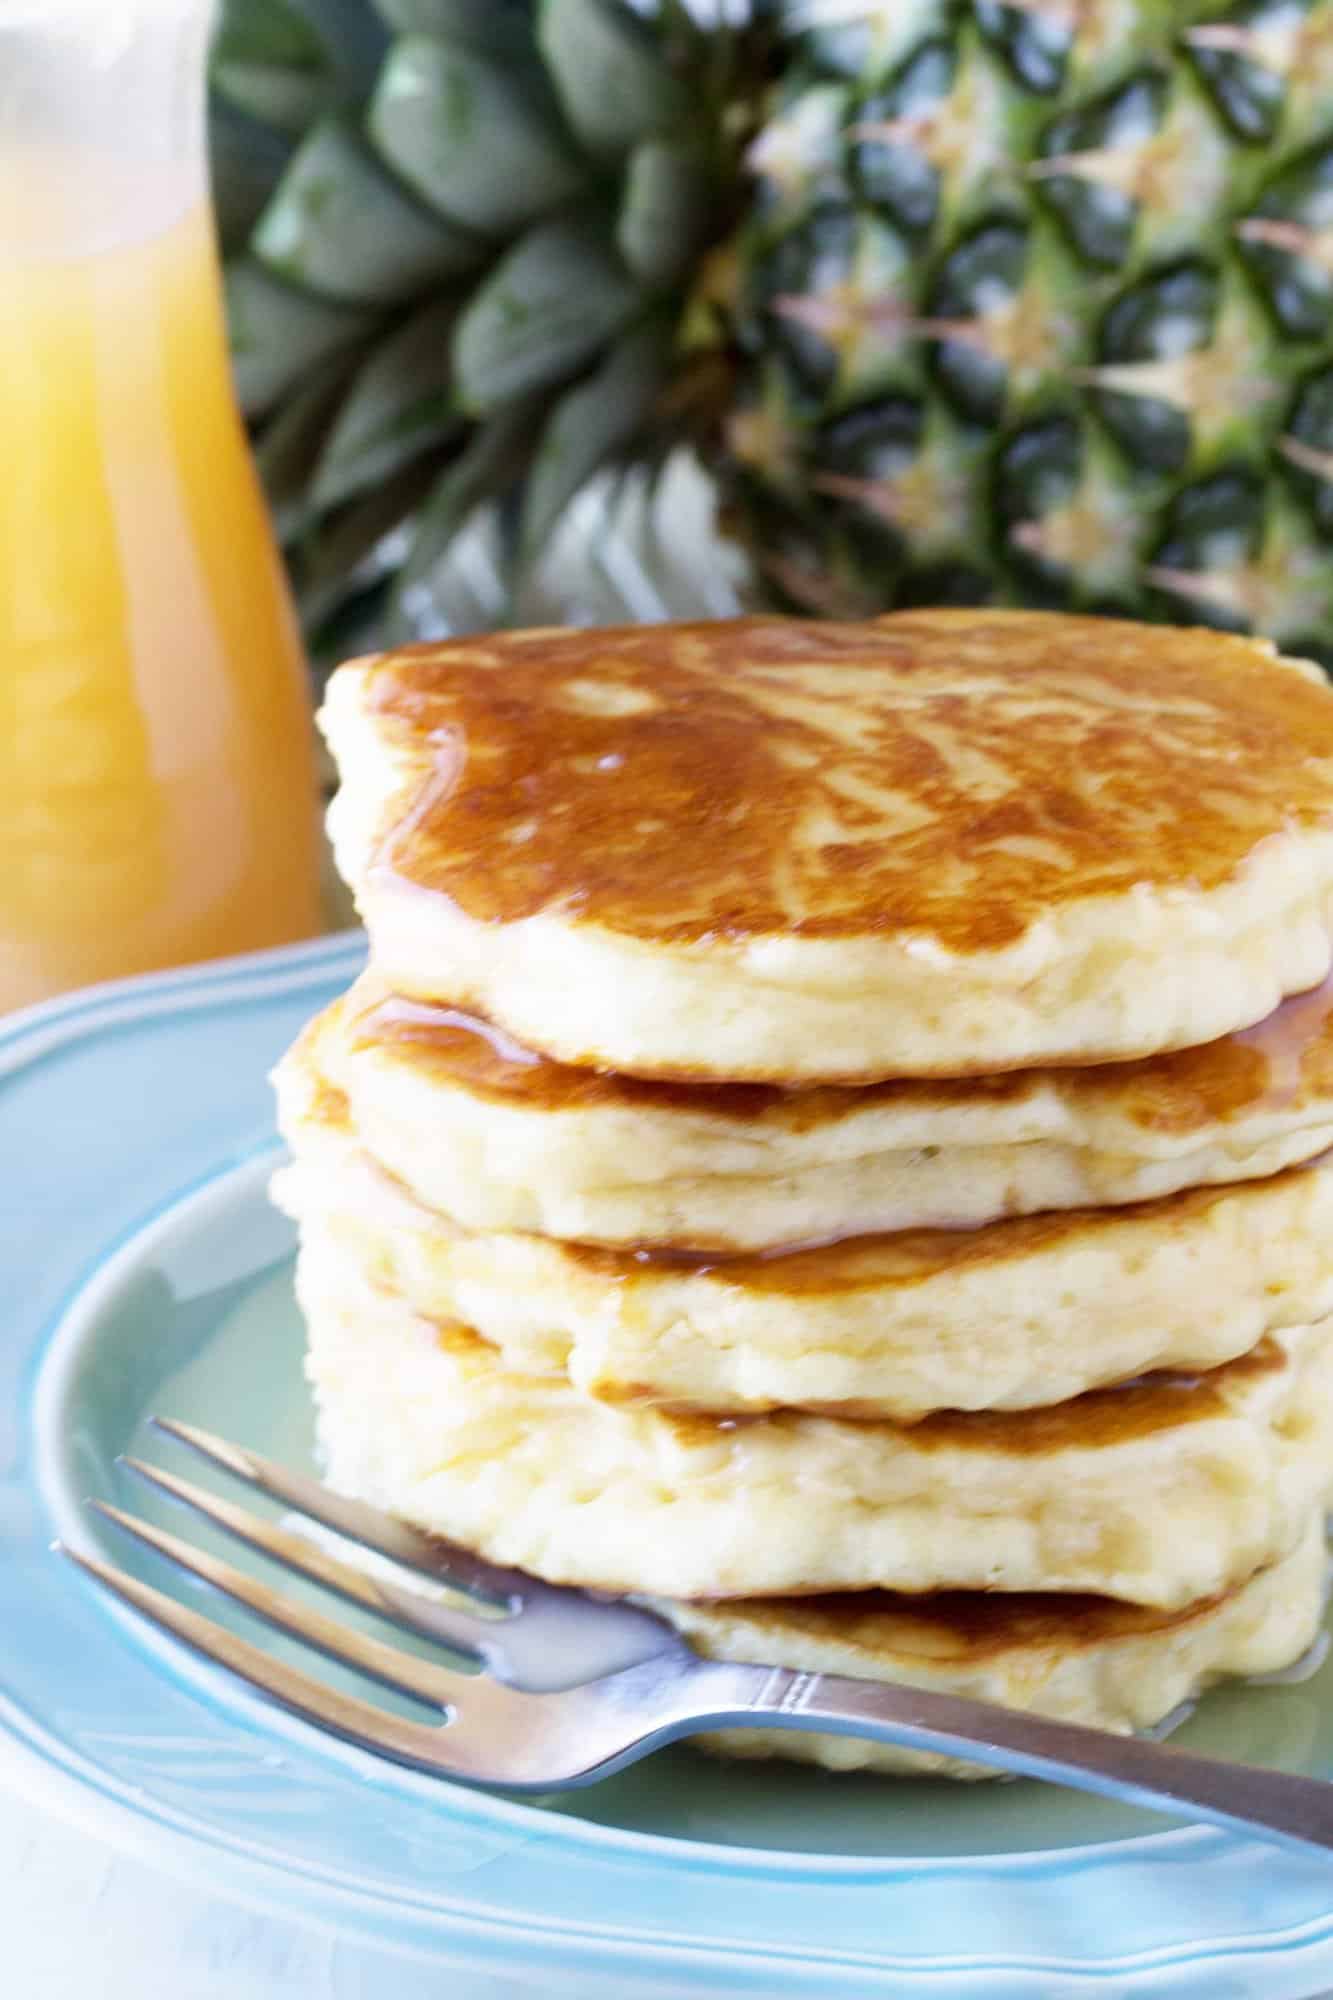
x,y
157,789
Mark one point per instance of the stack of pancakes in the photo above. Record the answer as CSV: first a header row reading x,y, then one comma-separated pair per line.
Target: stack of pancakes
x,y
827,1142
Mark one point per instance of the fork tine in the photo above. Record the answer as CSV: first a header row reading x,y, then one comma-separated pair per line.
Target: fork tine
x,y
425,1746
448,1623
421,1678
412,1547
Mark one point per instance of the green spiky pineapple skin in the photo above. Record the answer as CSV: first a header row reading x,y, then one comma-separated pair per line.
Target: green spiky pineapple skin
x,y
1033,307
1020,301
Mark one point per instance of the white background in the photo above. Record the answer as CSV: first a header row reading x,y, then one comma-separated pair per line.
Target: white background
x,y
80,1922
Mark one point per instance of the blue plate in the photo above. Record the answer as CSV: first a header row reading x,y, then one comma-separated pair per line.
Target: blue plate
x,y
144,1270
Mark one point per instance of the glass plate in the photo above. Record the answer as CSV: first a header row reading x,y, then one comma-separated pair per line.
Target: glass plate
x,y
144,1270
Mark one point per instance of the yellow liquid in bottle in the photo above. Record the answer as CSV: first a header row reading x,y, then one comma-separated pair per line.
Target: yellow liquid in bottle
x,y
157,791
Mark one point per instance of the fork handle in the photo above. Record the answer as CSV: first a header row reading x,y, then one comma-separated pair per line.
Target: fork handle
x,y
1135,1769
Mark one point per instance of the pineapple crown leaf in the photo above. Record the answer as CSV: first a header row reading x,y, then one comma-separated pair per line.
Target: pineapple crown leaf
x,y
596,419
399,405
610,75
478,137
285,62
547,309
341,224
499,212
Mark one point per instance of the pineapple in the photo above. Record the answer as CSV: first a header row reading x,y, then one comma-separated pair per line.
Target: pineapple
x,y
1013,301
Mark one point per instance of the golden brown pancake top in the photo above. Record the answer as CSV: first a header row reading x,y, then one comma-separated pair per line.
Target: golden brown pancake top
x,y
941,775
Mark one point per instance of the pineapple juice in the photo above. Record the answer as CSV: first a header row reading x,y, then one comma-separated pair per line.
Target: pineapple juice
x,y
156,772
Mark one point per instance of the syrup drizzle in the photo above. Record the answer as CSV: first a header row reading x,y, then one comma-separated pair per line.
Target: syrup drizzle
x,y
1280,1064
1287,1039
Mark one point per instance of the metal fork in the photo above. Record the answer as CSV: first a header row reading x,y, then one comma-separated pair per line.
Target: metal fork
x,y
542,1717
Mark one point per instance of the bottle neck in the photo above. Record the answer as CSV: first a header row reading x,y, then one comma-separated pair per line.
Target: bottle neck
x,y
101,121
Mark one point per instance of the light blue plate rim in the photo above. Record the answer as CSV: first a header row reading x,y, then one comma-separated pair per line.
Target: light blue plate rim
x,y
1212,1904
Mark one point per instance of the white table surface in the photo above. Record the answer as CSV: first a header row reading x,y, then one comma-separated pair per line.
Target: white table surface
x,y
81,1922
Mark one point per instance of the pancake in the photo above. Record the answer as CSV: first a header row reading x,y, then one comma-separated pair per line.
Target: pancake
x,y
944,843
501,1138
1076,1659
1159,1492
1021,1313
